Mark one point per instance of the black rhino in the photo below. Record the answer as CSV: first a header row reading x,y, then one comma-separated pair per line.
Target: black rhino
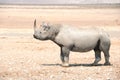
x,y
75,39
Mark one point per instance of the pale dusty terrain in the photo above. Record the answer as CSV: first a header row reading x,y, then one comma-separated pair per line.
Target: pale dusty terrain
x,y
24,58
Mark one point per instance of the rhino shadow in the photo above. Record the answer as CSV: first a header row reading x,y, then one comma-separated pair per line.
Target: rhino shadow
x,y
76,65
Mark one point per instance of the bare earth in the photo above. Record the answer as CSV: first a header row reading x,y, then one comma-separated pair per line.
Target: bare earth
x,y
24,58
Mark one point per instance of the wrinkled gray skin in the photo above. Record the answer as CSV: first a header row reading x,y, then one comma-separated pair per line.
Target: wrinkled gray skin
x,y
74,39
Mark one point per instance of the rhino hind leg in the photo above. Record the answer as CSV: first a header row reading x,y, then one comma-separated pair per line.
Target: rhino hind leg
x,y
97,57
106,54
97,54
105,46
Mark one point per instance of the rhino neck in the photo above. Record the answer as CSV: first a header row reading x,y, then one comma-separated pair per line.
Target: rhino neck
x,y
54,31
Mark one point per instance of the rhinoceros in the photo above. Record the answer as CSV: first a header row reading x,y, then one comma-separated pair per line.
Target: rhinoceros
x,y
70,38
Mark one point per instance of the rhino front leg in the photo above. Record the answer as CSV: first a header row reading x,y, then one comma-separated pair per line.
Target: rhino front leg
x,y
65,56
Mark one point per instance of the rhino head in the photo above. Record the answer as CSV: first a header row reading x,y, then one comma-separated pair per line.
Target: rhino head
x,y
46,31
43,32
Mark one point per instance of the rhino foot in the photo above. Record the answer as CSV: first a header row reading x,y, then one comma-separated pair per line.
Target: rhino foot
x,y
107,63
94,64
65,65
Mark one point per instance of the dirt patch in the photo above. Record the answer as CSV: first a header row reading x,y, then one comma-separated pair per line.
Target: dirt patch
x,y
27,58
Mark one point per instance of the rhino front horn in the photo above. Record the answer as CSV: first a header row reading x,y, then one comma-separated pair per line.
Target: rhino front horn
x,y
35,23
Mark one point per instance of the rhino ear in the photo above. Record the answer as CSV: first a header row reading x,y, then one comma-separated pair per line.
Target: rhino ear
x,y
43,23
48,24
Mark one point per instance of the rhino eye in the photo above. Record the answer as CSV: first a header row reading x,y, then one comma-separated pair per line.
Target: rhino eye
x,y
46,28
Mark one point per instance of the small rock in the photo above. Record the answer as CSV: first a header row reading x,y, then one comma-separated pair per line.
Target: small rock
x,y
51,76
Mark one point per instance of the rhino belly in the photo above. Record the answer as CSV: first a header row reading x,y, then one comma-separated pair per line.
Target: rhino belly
x,y
84,46
81,49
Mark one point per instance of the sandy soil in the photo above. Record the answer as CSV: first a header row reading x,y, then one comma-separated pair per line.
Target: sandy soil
x,y
24,58
23,18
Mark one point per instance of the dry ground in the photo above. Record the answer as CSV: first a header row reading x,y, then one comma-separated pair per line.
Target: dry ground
x,y
24,58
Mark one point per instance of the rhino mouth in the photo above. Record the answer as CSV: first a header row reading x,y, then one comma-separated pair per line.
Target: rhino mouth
x,y
40,38
35,37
